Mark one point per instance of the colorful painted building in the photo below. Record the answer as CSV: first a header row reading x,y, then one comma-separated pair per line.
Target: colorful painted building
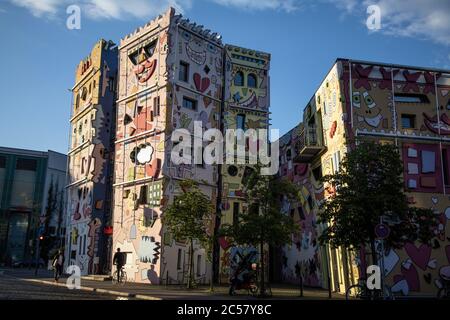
x,y
247,102
174,73
91,150
25,209
405,105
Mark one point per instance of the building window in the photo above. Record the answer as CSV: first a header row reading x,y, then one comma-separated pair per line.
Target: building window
x,y
408,121
179,257
445,168
111,84
26,164
240,121
156,106
252,81
410,98
239,79
199,265
235,213
232,171
77,102
289,155
317,173
189,104
183,75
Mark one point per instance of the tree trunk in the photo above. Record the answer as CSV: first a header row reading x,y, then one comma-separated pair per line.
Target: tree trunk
x,y
191,264
373,251
211,279
262,284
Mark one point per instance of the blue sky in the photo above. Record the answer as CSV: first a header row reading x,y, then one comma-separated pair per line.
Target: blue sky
x,y
39,54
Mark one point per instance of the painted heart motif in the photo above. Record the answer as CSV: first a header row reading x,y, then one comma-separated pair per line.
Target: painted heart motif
x,y
412,277
390,261
401,285
202,84
420,256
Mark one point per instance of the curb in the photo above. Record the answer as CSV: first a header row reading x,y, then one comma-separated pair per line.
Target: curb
x,y
111,292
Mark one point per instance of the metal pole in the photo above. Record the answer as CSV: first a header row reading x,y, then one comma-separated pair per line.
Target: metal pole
x,y
37,257
382,263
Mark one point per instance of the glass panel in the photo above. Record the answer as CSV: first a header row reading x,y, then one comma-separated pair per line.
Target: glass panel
x,y
24,183
240,121
18,225
2,175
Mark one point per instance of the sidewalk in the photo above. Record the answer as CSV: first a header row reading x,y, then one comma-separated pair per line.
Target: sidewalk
x,y
172,292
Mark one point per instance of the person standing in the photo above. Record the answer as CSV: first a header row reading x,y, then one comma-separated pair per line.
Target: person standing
x,y
58,264
119,261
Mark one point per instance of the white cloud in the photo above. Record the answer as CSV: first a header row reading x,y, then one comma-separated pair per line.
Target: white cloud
x,y
120,9
286,5
103,9
39,8
421,19
424,19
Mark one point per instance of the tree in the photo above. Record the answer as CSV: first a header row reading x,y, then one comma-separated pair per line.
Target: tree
x,y
52,204
369,189
264,223
188,218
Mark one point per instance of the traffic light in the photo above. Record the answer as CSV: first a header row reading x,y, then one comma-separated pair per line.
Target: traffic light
x,y
41,238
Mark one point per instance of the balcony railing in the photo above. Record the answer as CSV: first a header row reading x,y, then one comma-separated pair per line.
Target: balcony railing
x,y
309,143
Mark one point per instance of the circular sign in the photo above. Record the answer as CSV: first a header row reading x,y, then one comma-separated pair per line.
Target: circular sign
x,y
382,231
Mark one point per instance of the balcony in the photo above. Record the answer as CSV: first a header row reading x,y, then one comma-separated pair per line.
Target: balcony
x,y
309,144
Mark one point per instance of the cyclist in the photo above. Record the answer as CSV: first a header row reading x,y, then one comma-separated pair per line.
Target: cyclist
x,y
119,261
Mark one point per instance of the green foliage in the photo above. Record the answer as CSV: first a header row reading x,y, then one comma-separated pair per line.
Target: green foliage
x,y
264,222
369,186
189,217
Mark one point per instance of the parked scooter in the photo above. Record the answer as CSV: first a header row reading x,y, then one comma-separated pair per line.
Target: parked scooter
x,y
244,278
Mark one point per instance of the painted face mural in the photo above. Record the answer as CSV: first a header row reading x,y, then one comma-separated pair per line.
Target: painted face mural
x,y
145,64
195,48
442,127
367,110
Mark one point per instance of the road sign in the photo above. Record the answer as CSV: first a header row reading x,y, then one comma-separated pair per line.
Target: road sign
x,y
382,231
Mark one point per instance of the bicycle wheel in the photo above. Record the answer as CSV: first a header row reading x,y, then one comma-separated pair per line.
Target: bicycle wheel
x,y
354,292
443,293
123,278
114,278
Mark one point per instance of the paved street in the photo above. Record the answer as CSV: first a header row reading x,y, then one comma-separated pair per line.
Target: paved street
x,y
23,284
12,288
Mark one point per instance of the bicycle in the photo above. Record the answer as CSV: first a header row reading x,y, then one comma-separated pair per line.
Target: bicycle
x,y
122,279
444,291
360,291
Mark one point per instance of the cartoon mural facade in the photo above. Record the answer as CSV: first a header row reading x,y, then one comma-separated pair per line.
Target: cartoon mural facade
x,y
247,102
89,185
170,77
405,105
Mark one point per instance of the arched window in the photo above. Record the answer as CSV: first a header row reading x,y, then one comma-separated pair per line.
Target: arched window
x,y
251,81
239,79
